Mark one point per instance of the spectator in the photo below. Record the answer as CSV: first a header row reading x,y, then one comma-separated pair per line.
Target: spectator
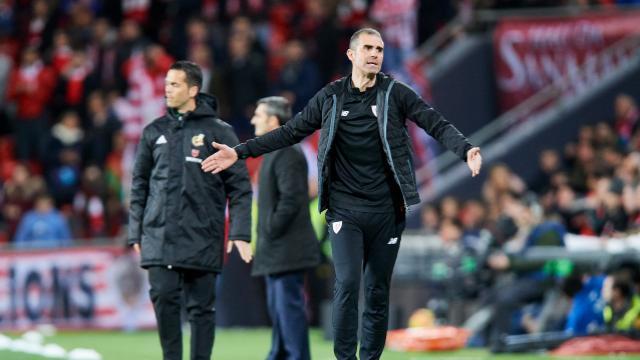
x,y
6,63
430,217
299,78
39,27
450,208
114,166
89,203
103,124
7,14
81,19
627,115
61,53
30,88
622,311
19,194
322,36
500,182
74,83
604,136
450,234
130,41
102,54
472,216
201,55
196,35
549,164
64,158
583,164
531,282
245,79
44,226
585,315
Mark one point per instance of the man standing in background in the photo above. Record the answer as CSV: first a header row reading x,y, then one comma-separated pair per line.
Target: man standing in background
x,y
287,244
177,215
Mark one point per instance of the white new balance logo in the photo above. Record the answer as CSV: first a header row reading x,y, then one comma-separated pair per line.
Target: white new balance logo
x,y
161,140
393,240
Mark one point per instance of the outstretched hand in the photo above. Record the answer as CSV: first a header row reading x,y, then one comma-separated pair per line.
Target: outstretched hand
x,y
244,248
474,160
221,160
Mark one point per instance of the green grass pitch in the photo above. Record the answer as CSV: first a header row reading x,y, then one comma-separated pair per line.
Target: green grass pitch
x,y
237,344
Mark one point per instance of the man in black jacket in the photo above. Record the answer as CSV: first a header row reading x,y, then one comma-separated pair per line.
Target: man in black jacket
x,y
177,215
366,180
287,244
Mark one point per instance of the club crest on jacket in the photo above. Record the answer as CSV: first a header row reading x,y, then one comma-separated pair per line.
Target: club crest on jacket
x,y
337,225
198,140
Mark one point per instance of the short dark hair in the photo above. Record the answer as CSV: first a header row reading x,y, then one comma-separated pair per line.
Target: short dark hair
x,y
192,72
356,36
277,106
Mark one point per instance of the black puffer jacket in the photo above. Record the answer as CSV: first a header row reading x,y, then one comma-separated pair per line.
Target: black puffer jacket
x,y
177,211
395,102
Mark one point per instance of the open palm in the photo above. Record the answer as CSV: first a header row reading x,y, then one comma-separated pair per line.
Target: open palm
x,y
221,160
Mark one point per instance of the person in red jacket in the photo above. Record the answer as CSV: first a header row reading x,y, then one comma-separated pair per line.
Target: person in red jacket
x,y
30,89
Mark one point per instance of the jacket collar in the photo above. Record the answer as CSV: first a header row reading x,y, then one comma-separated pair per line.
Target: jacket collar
x,y
206,106
343,84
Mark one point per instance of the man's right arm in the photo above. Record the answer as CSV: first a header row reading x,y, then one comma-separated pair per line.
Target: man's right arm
x,y
139,188
293,131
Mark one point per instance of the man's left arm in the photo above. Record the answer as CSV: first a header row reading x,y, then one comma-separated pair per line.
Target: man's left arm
x,y
429,119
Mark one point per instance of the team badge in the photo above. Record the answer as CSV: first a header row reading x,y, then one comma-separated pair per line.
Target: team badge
x,y
337,225
198,140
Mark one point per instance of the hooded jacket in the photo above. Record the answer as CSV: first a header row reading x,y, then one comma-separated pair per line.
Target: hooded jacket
x,y
177,211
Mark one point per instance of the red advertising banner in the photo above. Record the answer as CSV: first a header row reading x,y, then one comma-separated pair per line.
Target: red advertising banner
x,y
531,54
75,288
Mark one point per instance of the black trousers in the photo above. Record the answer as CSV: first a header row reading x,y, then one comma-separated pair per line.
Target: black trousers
x,y
290,334
362,243
168,286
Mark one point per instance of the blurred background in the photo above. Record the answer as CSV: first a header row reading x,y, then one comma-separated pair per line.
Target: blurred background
x,y
541,244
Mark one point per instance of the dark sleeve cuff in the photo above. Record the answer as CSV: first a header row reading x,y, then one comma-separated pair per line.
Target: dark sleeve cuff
x,y
466,150
242,150
132,242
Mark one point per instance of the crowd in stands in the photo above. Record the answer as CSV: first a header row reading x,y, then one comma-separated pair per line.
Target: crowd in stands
x,y
590,188
80,79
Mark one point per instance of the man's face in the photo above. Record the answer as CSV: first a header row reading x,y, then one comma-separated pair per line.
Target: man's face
x,y
29,57
262,122
368,54
176,90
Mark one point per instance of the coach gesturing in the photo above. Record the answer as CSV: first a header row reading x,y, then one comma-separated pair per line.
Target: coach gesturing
x,y
366,180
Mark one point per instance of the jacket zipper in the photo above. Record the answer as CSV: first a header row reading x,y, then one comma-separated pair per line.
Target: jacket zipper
x,y
332,125
386,143
329,141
